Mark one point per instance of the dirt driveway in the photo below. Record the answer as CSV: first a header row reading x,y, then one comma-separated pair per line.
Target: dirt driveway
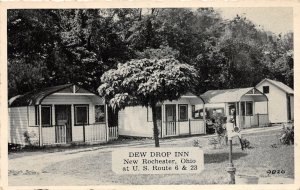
x,y
92,166
30,169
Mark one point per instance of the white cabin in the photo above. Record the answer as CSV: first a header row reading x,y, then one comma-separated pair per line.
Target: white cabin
x,y
57,115
281,100
250,105
174,118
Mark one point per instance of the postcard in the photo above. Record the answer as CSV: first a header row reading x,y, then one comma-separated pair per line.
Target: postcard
x,y
149,94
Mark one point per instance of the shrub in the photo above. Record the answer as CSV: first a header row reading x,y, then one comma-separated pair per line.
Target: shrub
x,y
30,138
287,136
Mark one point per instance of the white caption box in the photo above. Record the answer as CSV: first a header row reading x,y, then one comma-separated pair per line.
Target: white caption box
x,y
158,160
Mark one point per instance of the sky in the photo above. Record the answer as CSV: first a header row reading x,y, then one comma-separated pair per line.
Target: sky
x,y
274,19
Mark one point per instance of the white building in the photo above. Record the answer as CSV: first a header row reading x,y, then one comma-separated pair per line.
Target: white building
x,y
281,100
244,100
55,115
174,118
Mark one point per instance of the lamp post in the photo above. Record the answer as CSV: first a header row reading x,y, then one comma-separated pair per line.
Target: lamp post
x,y
230,168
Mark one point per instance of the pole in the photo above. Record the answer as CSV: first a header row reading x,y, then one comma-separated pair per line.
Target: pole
x,y
190,127
40,126
106,123
83,131
230,168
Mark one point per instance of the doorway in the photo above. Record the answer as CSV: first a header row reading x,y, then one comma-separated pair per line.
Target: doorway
x,y
171,119
63,118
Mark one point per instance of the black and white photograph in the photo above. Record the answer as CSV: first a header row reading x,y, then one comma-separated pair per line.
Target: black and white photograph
x,y
150,96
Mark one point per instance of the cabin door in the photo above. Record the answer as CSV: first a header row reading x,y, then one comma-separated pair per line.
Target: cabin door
x,y
63,123
171,119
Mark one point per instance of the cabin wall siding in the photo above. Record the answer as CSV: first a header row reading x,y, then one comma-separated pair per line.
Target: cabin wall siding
x,y
292,106
277,103
133,122
22,119
18,125
31,115
77,133
261,107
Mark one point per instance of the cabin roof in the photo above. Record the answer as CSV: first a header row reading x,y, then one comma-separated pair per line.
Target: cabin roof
x,y
36,97
192,97
230,95
280,85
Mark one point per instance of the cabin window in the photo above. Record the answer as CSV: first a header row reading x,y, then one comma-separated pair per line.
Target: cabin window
x,y
46,115
233,106
266,89
193,111
197,111
37,115
183,112
249,108
99,113
81,114
243,108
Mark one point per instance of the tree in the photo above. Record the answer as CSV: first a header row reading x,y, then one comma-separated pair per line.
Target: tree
x,y
229,57
147,82
32,36
278,57
55,47
51,47
91,40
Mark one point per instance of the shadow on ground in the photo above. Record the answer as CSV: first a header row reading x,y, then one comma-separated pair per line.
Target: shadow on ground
x,y
222,157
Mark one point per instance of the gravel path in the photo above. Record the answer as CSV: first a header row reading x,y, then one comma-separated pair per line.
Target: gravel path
x,y
30,169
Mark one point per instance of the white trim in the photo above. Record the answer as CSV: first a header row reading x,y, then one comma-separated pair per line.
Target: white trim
x,y
40,126
106,122
72,94
253,95
189,97
53,115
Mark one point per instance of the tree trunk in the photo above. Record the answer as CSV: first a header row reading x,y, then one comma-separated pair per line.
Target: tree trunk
x,y
155,127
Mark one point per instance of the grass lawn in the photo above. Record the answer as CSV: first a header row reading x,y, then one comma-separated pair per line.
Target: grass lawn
x,y
256,161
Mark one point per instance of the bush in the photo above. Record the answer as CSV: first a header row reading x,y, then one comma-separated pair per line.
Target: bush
x,y
31,138
287,136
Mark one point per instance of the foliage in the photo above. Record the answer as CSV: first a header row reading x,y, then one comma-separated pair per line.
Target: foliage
x,y
62,46
287,136
163,52
30,138
32,35
50,47
147,82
